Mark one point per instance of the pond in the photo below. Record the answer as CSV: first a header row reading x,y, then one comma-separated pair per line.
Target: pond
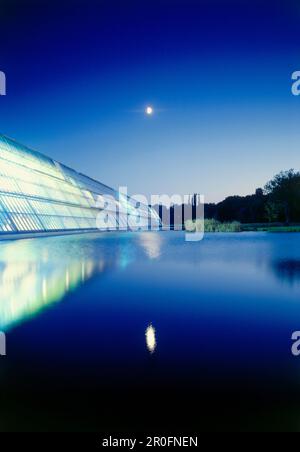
x,y
144,332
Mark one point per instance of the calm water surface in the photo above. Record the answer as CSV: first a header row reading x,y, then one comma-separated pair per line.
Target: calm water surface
x,y
146,332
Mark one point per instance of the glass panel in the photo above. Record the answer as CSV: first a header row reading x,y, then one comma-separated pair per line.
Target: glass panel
x,y
39,194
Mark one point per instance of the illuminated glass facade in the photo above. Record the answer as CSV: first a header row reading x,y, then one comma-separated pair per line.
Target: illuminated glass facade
x,y
38,194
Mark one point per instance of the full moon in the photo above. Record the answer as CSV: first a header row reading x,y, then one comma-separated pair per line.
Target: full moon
x,y
149,110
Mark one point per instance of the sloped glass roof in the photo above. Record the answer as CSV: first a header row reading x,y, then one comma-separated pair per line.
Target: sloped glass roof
x,y
38,194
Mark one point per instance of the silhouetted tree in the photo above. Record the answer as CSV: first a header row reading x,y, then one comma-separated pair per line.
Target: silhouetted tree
x,y
279,201
274,211
246,209
284,191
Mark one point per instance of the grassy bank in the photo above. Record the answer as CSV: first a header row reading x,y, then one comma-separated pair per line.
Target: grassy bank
x,y
270,228
211,225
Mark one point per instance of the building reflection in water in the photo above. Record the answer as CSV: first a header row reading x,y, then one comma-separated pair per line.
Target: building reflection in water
x,y
151,243
30,280
151,338
37,273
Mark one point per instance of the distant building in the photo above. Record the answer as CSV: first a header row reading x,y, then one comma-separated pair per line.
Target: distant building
x,y
40,195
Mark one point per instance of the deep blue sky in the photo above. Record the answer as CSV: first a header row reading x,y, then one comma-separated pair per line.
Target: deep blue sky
x,y
80,73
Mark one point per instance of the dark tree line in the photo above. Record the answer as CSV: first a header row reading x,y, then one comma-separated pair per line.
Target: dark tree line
x,y
279,201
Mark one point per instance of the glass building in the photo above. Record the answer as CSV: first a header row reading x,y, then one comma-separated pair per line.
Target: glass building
x,y
38,194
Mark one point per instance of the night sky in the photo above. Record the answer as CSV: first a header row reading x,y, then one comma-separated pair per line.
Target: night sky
x,y
218,74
